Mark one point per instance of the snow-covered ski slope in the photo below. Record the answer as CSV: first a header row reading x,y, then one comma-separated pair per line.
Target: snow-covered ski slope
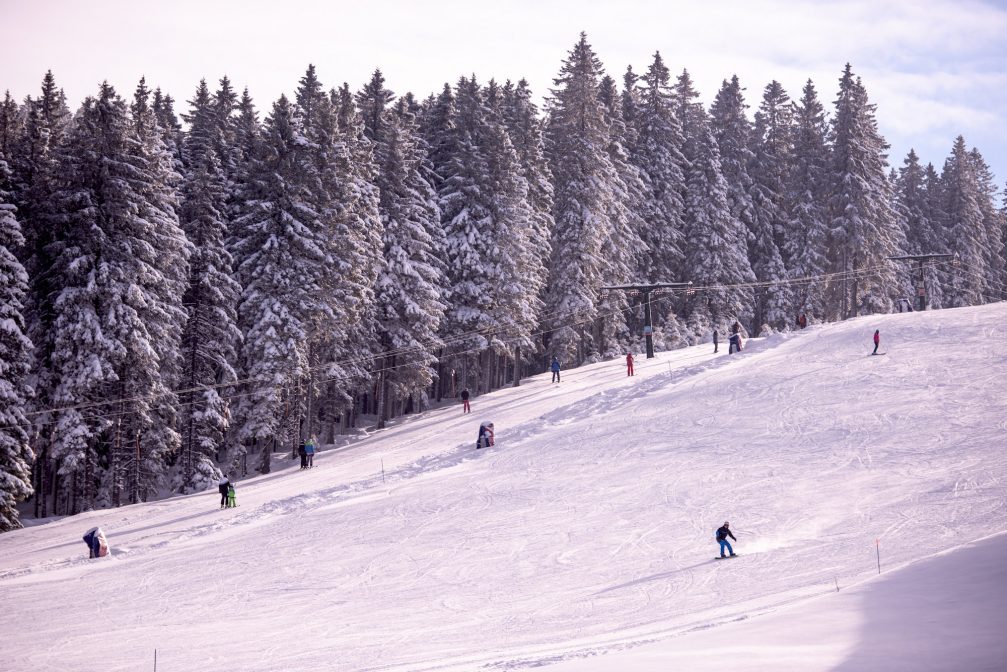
x,y
587,530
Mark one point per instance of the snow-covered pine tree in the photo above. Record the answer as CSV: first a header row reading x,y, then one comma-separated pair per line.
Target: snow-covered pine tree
x,y
806,244
771,155
623,250
922,236
410,284
283,259
992,218
36,137
577,147
211,337
965,227
864,230
526,134
658,152
518,256
158,189
118,303
15,361
733,132
940,271
715,253
10,127
359,230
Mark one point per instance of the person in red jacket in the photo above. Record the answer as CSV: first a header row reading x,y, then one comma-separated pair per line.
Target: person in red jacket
x,y
877,340
629,363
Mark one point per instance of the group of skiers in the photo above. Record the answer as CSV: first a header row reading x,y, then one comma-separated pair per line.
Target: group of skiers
x,y
307,452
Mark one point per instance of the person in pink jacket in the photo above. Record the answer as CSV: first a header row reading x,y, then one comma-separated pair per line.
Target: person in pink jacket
x,y
877,340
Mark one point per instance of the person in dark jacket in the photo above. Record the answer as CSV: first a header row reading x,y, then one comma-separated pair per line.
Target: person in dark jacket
x,y
97,546
722,534
554,367
465,401
222,487
716,340
485,438
302,450
877,340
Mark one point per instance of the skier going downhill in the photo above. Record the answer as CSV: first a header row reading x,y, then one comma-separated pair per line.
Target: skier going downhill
x,y
722,534
877,340
97,545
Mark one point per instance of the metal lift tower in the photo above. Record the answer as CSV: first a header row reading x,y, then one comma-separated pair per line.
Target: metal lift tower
x,y
920,261
645,290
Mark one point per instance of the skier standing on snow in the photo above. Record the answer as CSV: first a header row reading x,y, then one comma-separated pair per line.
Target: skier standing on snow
x,y
309,450
716,341
629,363
232,500
465,401
485,438
722,534
554,367
222,487
877,340
302,450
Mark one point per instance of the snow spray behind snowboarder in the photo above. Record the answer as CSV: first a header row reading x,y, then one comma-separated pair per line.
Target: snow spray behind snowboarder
x,y
722,534
485,438
97,545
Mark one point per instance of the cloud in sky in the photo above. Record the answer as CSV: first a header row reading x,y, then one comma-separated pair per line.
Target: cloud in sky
x,y
935,68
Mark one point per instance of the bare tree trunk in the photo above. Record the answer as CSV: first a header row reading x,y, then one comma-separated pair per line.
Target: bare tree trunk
x,y
518,367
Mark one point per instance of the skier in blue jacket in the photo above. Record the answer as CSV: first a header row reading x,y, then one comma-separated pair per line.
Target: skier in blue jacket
x,y
554,367
722,534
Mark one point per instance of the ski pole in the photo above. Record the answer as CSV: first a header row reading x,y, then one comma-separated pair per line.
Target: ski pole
x,y
877,546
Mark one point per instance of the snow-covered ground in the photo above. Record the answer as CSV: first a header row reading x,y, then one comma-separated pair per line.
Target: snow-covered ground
x,y
588,530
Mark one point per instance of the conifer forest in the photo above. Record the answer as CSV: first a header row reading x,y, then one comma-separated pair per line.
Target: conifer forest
x,y
191,287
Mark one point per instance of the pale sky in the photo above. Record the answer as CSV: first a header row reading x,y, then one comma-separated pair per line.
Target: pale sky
x,y
935,68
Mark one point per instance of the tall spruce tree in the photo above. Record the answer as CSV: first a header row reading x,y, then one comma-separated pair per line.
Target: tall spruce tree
x,y
992,219
211,337
864,229
967,234
771,155
15,352
716,257
806,243
577,142
922,234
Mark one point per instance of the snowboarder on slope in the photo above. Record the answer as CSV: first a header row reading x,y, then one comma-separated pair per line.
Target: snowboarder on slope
x,y
716,341
97,545
222,487
554,367
485,438
722,534
465,401
629,364
877,340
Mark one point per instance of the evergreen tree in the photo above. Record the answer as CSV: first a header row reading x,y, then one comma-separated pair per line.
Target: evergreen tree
x,y
922,234
583,175
864,230
993,221
15,353
806,243
966,228
118,307
520,115
771,155
716,254
10,126
284,260
211,336
658,152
